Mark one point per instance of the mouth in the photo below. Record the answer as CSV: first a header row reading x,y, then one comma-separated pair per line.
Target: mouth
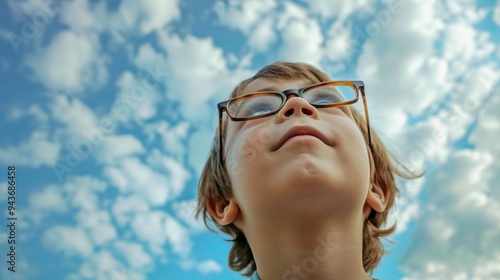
x,y
301,131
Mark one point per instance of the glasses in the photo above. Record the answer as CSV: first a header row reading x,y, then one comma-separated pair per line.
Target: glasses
x,y
262,104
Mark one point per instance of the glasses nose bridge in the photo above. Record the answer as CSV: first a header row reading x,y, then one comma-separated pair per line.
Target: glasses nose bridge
x,y
289,93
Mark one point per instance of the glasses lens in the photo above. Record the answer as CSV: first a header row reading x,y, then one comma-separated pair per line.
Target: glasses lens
x,y
254,105
327,95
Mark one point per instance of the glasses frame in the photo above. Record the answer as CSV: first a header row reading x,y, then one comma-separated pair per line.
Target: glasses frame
x,y
357,86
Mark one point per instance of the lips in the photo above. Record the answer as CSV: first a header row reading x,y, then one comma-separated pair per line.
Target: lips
x,y
301,130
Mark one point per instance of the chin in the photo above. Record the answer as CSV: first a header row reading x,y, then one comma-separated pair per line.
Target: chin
x,y
315,176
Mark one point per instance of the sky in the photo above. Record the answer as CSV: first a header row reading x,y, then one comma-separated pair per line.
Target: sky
x,y
108,110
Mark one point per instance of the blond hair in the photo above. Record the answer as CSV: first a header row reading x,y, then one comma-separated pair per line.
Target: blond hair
x,y
215,184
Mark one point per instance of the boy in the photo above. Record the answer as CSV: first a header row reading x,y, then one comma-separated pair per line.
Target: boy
x,y
297,178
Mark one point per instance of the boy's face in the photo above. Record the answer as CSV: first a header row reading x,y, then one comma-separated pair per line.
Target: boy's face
x,y
303,176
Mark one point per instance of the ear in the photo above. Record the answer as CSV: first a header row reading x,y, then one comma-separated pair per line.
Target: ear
x,y
377,199
223,211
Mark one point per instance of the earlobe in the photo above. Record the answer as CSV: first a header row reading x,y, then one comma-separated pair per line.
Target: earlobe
x,y
377,197
223,211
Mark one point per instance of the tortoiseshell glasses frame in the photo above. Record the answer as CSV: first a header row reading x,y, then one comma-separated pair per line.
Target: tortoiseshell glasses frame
x,y
357,86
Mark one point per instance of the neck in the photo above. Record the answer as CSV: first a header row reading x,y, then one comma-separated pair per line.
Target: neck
x,y
308,250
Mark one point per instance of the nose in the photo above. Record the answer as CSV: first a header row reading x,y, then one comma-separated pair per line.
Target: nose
x,y
296,106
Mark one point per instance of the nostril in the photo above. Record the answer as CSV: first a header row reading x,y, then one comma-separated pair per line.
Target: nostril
x,y
307,111
289,112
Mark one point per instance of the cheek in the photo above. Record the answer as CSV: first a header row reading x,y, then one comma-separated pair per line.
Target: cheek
x,y
249,140
355,147
243,167
241,153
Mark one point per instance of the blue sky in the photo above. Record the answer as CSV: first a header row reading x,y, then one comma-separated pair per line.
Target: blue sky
x,y
108,110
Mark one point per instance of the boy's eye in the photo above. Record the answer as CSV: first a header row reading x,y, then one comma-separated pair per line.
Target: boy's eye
x,y
258,108
324,97
255,106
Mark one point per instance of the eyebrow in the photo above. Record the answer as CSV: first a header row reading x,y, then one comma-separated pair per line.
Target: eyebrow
x,y
271,88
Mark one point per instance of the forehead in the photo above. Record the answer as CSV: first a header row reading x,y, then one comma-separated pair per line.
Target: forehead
x,y
264,84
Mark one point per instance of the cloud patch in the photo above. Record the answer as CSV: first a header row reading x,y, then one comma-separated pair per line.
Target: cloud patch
x,y
58,68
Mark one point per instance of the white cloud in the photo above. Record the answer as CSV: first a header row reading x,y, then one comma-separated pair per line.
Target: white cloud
x,y
194,59
82,192
103,234
149,227
485,138
409,60
27,8
37,151
338,42
485,134
291,12
496,13
137,98
34,110
263,35
118,178
430,140
81,15
154,130
458,231
92,218
124,208
244,15
408,206
115,147
103,265
302,38
488,269
468,96
135,255
184,211
427,141
463,11
339,8
98,225
147,55
47,201
75,115
175,137
172,137
77,192
462,44
178,174
131,175
302,42
178,237
58,68
209,266
83,133
94,229
198,73
146,16
72,241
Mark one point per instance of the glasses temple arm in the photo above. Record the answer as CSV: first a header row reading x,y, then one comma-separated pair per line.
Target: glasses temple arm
x,y
367,117
220,138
